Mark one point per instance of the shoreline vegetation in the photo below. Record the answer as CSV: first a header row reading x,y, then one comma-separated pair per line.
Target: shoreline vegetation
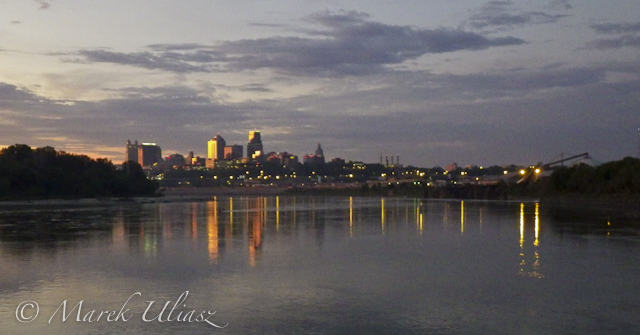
x,y
44,173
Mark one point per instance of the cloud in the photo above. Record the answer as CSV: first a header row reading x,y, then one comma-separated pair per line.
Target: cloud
x,y
43,4
562,4
348,44
260,88
11,94
615,43
617,28
630,35
500,14
418,114
168,61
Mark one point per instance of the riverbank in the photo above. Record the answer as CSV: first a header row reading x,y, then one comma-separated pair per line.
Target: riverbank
x,y
181,194
610,204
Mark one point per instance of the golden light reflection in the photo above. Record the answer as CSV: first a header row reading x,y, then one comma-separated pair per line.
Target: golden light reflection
x,y
231,211
350,216
521,225
194,221
535,264
277,213
382,214
537,224
421,223
255,236
212,230
417,213
462,217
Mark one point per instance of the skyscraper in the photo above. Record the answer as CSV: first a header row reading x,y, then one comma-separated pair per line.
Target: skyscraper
x,y
216,148
318,158
319,154
131,152
233,151
254,148
149,154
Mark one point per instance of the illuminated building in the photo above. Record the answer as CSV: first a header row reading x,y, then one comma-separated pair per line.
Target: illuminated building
x,y
216,148
131,152
149,154
283,158
233,151
254,147
189,159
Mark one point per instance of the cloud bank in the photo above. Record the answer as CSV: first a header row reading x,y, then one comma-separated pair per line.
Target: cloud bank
x,y
346,43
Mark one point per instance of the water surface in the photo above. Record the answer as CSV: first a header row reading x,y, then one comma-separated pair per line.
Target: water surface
x,y
305,265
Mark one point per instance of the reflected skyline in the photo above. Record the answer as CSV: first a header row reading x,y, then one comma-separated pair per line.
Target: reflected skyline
x,y
229,223
301,263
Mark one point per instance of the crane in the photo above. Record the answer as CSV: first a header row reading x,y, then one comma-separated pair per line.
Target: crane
x,y
585,155
535,171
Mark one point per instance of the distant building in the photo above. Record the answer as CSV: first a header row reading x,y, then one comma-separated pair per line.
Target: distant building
x,y
216,148
175,160
254,147
289,160
131,152
320,154
233,152
451,167
149,154
283,158
198,161
189,159
318,158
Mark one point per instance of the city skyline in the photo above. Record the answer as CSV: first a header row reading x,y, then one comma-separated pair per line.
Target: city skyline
x,y
435,82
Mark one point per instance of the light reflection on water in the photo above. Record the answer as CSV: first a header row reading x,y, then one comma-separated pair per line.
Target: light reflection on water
x,y
305,265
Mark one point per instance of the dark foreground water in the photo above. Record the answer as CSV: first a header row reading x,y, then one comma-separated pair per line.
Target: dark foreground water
x,y
286,265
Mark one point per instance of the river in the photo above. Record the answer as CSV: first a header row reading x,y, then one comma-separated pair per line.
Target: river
x,y
317,265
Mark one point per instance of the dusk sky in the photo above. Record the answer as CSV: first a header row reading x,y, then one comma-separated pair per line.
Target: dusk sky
x,y
434,81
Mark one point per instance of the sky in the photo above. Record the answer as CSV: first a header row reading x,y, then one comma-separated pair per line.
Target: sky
x,y
433,81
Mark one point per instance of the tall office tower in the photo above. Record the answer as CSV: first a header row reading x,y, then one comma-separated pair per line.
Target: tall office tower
x,y
254,148
131,152
319,154
216,148
149,154
189,159
233,151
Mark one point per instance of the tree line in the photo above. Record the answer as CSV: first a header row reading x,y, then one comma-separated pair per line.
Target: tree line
x,y
620,177
41,173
